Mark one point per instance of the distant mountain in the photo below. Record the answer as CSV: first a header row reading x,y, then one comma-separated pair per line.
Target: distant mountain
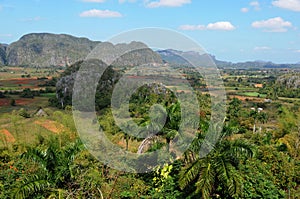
x,y
177,58
44,49
172,57
180,58
120,55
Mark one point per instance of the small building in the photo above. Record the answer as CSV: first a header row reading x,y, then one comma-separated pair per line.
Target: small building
x,y
268,100
258,85
41,113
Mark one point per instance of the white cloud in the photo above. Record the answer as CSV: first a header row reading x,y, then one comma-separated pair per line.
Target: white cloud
x,y
100,13
293,5
259,48
221,25
255,4
244,10
192,27
297,51
276,24
167,3
94,1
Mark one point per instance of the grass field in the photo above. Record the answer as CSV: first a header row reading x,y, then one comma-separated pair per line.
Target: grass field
x,y
17,129
48,95
7,72
26,103
252,94
21,83
16,79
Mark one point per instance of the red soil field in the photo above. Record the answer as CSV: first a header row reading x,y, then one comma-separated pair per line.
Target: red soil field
x,y
5,134
21,101
243,98
51,126
24,82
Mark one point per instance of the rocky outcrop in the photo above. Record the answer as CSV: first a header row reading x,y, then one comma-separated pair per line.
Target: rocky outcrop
x,y
103,61
289,81
44,49
3,54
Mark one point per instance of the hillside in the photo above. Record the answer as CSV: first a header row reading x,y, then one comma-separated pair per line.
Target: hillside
x,y
121,55
289,81
44,49
104,58
2,54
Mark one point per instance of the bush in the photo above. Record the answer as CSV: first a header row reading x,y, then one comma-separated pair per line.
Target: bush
x,y
12,102
27,93
24,113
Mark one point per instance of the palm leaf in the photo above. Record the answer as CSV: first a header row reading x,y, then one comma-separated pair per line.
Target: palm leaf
x,y
30,186
36,155
206,180
190,173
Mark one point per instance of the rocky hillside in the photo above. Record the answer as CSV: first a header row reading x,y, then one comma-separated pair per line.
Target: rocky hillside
x,y
104,58
120,55
44,49
289,81
2,54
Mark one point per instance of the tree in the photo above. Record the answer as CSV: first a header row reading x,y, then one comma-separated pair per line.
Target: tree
x,y
164,184
217,173
12,102
234,108
27,93
55,169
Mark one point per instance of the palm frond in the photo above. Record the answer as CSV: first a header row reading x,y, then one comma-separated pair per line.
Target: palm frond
x,y
31,185
241,149
190,173
206,181
36,155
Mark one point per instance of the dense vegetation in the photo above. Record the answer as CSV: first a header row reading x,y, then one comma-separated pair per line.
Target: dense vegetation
x,y
257,155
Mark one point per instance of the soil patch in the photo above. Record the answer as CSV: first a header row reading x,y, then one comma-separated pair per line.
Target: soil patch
x,y
51,126
7,136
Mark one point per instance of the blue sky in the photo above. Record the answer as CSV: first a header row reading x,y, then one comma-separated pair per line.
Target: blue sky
x,y
232,30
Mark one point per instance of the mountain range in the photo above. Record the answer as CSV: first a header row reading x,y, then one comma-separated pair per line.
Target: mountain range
x,y
45,49
175,57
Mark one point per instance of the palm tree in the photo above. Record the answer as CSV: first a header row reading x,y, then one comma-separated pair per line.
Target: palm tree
x,y
217,172
55,169
156,128
170,130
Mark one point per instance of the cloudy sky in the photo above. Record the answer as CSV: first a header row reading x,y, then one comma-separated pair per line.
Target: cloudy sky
x,y
233,30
